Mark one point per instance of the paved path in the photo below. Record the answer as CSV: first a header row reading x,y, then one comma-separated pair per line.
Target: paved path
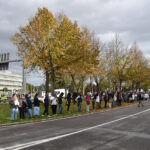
x,y
125,128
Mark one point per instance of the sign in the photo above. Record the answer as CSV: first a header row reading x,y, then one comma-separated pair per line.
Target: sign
x,y
4,57
4,61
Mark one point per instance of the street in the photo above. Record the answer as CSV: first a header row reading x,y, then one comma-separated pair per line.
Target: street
x,y
119,129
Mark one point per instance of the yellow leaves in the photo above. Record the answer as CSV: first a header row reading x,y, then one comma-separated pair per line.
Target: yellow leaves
x,y
50,43
26,64
45,53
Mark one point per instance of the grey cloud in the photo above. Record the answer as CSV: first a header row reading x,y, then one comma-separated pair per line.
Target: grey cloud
x,y
130,18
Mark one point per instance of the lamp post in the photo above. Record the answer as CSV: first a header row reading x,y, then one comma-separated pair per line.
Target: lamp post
x,y
24,79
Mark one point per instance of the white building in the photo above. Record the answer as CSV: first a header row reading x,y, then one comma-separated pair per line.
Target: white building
x,y
12,82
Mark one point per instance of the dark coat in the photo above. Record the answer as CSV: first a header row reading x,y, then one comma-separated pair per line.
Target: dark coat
x,y
36,102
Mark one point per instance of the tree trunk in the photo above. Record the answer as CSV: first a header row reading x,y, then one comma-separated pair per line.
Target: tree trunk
x,y
91,84
120,85
52,76
136,86
53,80
139,84
47,81
97,85
132,85
73,83
83,89
82,86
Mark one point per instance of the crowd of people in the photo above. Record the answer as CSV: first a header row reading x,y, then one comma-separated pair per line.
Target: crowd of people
x,y
24,104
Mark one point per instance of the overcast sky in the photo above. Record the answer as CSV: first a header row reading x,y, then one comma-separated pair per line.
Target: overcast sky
x,y
129,18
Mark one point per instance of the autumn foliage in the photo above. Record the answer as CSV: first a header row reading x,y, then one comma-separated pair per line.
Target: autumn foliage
x,y
69,55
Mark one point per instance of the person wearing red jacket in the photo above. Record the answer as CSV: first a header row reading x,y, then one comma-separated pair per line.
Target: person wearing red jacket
x,y
87,102
100,97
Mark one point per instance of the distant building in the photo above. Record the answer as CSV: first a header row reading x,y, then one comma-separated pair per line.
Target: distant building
x,y
12,82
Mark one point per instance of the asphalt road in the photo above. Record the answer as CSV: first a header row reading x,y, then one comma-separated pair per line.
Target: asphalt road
x,y
125,128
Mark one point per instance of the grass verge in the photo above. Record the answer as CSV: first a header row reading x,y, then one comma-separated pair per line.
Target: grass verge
x,y
5,113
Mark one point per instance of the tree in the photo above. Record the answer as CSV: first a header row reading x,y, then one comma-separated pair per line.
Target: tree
x,y
118,61
138,70
86,52
30,87
99,73
55,45
5,89
36,43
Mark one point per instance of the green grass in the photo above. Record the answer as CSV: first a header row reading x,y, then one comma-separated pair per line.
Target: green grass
x,y
5,113
3,98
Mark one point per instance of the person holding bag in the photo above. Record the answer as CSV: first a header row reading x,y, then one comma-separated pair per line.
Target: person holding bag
x,y
14,104
36,103
22,107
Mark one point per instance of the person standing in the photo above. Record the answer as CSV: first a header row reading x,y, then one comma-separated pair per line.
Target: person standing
x,y
46,104
120,98
87,102
130,97
106,99
93,101
29,102
110,97
133,97
22,107
14,104
115,100
125,97
140,99
100,99
68,101
79,99
53,99
97,100
60,105
36,106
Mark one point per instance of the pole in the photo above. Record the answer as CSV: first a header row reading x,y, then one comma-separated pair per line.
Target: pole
x,y
24,79
31,90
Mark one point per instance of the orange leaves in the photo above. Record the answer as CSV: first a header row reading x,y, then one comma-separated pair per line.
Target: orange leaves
x,y
56,45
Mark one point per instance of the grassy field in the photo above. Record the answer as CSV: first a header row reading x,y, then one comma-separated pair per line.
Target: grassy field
x,y
5,113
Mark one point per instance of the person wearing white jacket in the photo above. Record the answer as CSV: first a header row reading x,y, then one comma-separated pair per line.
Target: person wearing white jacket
x,y
14,104
53,100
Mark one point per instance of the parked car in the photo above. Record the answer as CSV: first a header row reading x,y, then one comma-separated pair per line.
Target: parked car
x,y
146,96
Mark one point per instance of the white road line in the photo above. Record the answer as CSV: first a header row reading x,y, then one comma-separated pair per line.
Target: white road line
x,y
29,144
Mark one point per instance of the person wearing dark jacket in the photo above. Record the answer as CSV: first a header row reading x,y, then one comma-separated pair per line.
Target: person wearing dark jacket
x,y
106,99
74,98
36,105
29,102
140,100
60,105
119,97
23,106
46,105
79,98
68,101
93,100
